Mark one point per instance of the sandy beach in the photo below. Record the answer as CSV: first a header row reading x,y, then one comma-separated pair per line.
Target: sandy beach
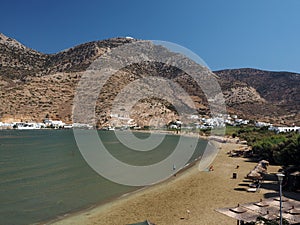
x,y
189,198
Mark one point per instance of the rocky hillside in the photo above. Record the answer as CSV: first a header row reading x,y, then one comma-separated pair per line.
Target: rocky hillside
x,y
19,62
33,85
262,94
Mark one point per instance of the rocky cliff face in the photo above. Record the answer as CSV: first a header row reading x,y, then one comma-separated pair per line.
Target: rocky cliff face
x,y
271,95
33,85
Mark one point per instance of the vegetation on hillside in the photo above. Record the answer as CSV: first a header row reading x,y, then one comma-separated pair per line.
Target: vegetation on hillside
x,y
281,148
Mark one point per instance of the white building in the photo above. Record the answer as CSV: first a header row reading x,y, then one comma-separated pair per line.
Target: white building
x,y
262,124
54,123
58,123
285,129
28,126
241,122
195,117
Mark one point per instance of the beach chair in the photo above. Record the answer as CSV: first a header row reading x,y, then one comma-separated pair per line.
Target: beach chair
x,y
254,189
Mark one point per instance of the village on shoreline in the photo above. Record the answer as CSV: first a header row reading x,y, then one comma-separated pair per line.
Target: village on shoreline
x,y
196,123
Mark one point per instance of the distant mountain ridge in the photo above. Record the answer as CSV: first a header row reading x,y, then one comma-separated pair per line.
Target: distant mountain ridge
x,y
278,90
17,61
33,84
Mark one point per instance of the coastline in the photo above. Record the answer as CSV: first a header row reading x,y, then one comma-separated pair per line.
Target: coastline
x,y
68,218
188,198
61,219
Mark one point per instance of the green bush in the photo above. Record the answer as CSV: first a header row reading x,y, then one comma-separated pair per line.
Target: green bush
x,y
282,149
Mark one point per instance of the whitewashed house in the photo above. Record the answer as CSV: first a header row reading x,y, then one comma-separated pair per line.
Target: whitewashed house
x,y
54,123
57,124
262,124
285,129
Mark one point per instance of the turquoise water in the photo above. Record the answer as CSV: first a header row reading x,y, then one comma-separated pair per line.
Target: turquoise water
x,y
43,175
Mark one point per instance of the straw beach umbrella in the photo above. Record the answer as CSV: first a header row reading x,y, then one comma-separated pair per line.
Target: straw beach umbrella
x,y
254,175
267,208
292,215
239,213
261,169
271,216
258,171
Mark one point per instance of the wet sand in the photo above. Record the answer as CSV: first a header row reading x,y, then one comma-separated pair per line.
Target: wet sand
x,y
189,198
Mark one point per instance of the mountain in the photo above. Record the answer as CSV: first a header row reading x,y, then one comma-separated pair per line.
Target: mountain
x,y
273,96
18,61
34,85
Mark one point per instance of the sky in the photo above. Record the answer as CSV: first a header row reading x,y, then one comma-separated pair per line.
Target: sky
x,y
262,34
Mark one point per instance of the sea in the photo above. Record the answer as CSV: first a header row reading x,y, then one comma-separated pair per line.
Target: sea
x,y
43,175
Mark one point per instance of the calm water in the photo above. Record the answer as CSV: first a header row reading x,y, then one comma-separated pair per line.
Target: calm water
x,y
43,175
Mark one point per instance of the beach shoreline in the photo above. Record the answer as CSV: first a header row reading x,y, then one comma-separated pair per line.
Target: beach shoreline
x,y
114,200
188,198
62,218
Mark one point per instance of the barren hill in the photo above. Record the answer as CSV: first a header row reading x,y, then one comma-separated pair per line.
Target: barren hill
x,y
33,85
18,61
274,96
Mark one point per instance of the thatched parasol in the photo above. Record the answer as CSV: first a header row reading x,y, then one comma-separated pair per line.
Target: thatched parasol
x,y
239,213
264,163
238,209
261,169
267,208
271,216
254,174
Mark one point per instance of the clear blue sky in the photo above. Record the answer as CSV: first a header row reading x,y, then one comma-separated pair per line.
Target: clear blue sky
x,y
261,34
